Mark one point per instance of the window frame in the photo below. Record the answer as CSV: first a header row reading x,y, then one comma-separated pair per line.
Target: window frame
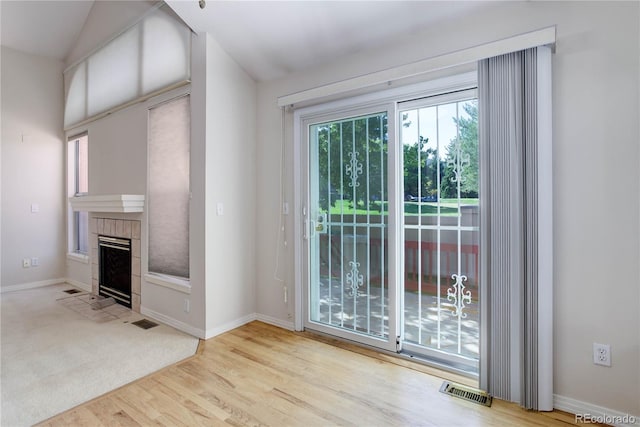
x,y
73,166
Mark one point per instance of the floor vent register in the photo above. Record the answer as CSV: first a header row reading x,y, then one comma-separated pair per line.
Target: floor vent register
x,y
145,324
467,393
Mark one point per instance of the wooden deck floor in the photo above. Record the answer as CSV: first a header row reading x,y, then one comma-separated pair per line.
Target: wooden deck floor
x,y
261,375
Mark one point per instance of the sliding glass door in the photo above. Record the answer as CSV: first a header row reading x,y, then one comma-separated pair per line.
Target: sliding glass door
x,y
439,138
391,227
350,290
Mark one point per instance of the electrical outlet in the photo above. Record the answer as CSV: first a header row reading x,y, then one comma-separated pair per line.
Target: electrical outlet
x,y
186,305
602,354
26,263
35,262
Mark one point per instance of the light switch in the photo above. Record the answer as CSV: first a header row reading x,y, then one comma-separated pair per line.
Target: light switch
x,y
35,208
220,209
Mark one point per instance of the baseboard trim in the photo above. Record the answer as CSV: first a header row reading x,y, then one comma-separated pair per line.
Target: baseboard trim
x,y
77,284
230,325
212,332
170,321
32,285
275,321
594,413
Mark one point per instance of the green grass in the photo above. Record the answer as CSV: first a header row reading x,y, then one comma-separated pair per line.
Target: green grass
x,y
448,207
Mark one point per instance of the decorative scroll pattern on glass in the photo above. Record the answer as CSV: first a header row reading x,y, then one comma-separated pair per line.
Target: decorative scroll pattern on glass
x,y
459,163
353,169
354,279
459,296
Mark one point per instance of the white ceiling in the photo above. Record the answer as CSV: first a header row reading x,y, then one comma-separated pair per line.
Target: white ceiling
x,y
269,39
45,28
272,38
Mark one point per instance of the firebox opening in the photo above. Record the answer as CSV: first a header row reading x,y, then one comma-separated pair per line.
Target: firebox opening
x,y
115,269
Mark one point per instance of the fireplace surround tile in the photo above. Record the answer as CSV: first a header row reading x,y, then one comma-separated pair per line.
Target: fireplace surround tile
x,y
135,246
135,229
127,229
123,228
119,229
135,284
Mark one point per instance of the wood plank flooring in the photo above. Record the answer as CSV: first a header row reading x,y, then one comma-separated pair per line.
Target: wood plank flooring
x,y
260,375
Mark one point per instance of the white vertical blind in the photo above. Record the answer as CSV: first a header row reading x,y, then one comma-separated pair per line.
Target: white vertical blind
x,y
518,352
150,56
168,188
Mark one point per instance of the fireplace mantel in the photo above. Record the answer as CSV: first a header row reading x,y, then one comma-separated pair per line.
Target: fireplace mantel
x,y
125,203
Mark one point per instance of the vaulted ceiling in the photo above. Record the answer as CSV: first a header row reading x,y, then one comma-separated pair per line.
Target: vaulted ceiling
x,y
269,39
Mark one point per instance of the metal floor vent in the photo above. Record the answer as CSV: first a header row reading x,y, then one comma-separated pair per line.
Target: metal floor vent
x,y
467,393
72,291
144,324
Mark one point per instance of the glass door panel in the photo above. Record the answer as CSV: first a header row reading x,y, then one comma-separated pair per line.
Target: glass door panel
x,y
348,237
440,280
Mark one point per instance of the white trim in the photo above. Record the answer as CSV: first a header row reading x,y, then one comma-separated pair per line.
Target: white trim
x,y
545,230
545,36
583,408
78,257
429,88
284,324
170,321
77,284
177,284
32,285
298,223
123,203
212,332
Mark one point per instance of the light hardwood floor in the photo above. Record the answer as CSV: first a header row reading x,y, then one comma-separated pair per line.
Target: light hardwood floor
x,y
262,375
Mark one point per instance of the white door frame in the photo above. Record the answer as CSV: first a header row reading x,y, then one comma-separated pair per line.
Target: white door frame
x,y
396,95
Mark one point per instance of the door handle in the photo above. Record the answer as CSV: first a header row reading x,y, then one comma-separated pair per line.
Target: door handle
x,y
321,226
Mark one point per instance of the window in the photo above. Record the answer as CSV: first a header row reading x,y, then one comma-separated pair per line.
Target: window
x,y
168,190
78,161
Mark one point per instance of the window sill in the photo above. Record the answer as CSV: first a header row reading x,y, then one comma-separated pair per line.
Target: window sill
x,y
180,285
78,257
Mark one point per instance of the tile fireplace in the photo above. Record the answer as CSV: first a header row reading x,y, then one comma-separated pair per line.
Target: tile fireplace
x,y
115,257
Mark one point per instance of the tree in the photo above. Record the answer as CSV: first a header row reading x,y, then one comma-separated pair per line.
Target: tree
x,y
420,169
462,153
352,160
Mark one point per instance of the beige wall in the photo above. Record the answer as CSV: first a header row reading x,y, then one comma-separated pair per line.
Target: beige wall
x,y
32,173
596,180
230,181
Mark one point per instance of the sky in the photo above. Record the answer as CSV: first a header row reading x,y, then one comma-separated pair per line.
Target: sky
x,y
433,122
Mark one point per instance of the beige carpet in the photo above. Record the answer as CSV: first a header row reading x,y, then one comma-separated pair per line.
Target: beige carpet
x,y
54,358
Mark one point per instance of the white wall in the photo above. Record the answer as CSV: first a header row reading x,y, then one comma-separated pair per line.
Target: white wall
x,y
596,179
32,159
230,181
